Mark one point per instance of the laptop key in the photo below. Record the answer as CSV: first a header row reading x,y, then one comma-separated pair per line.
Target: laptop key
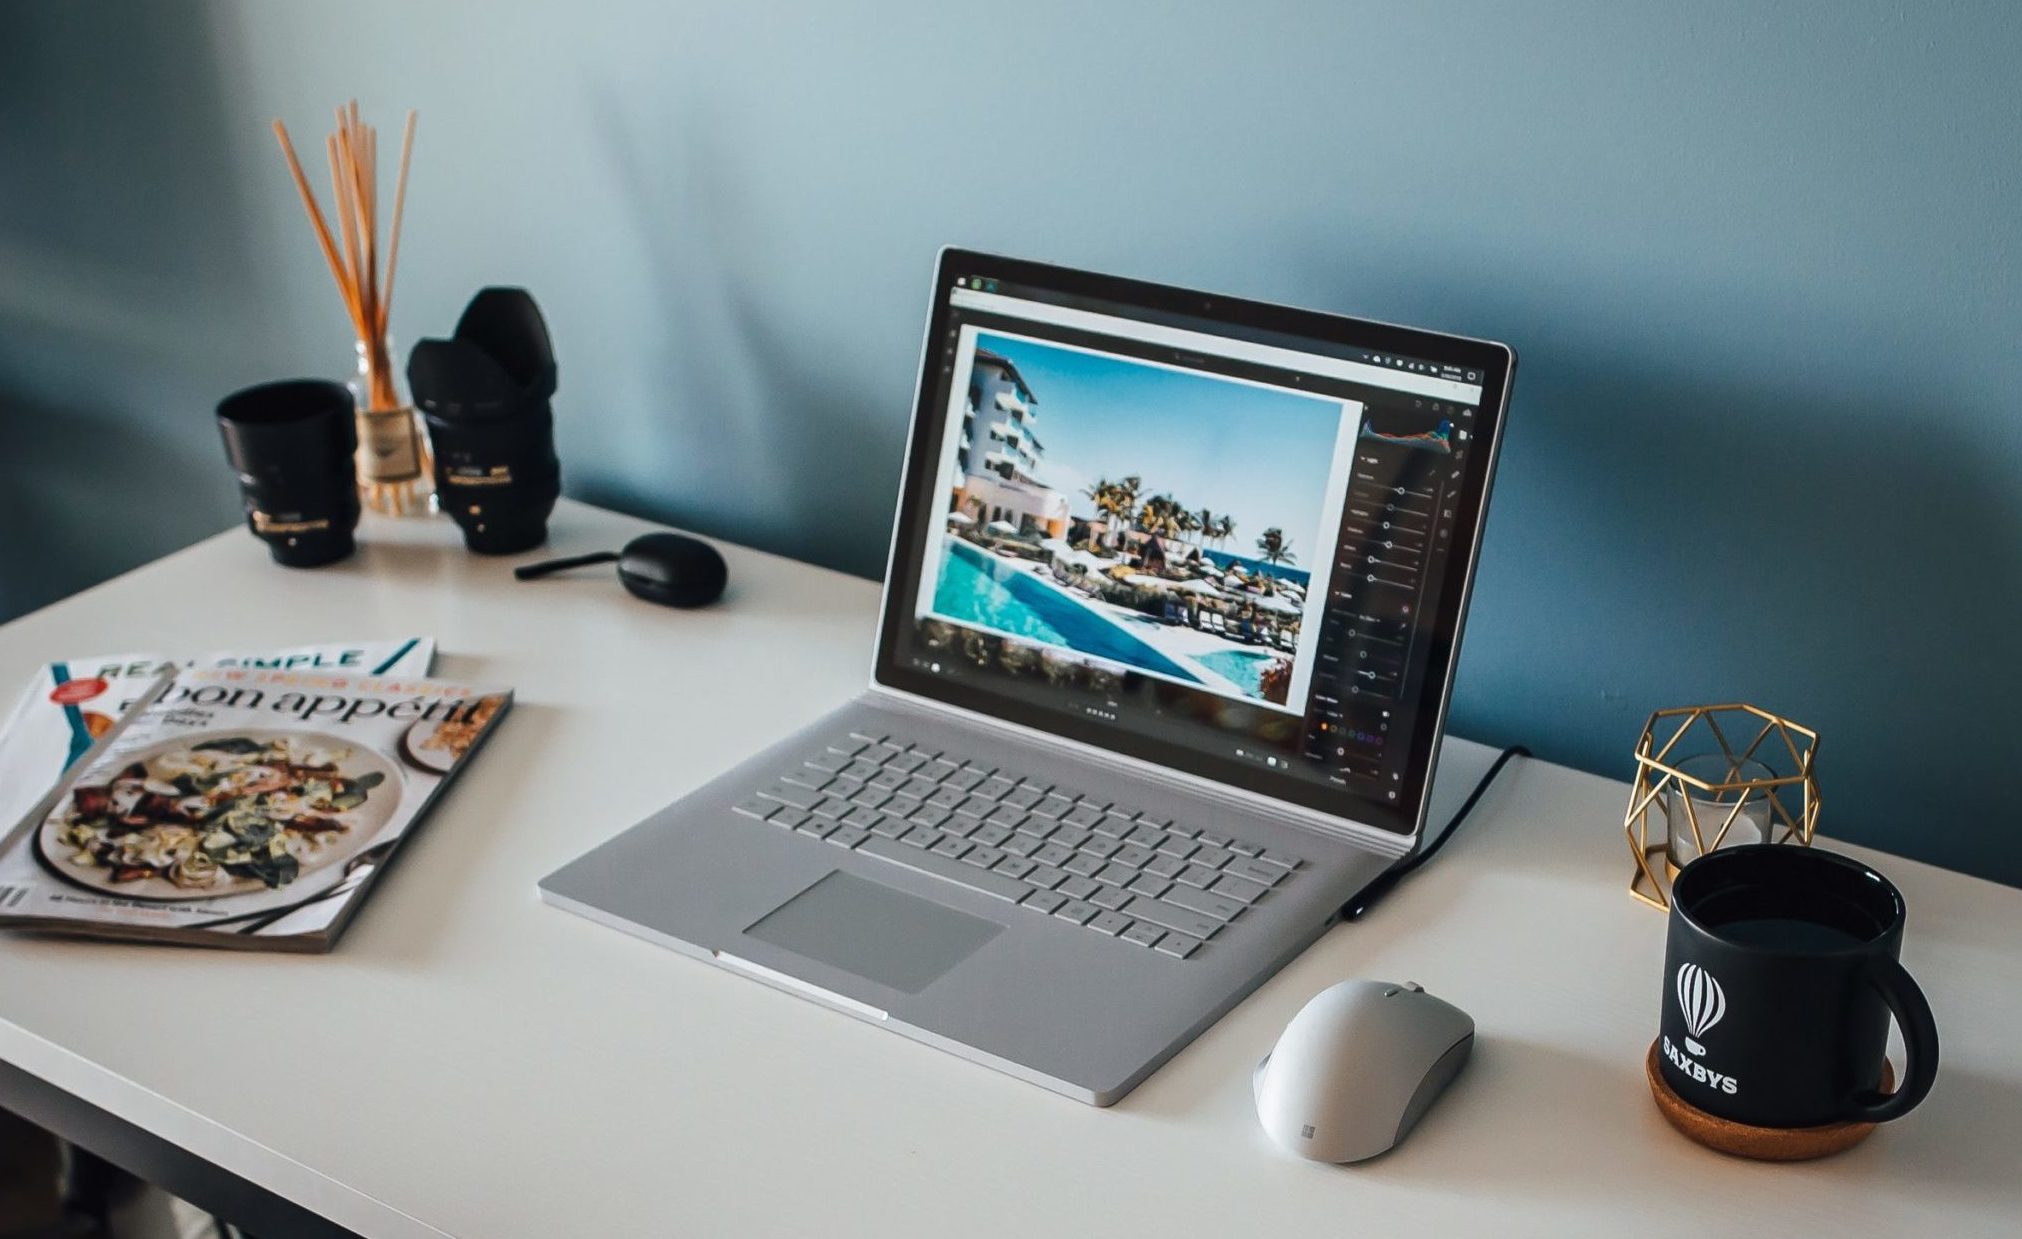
x,y
1021,845
1024,796
1245,847
1242,890
996,787
1164,866
828,761
1120,875
952,847
1178,846
983,857
1255,871
789,817
1142,934
991,835
1015,866
1101,847
1198,875
1179,946
1046,876
1044,901
819,827
1070,836
808,777
1038,827
1077,887
889,827
1115,825
1283,860
1082,815
906,763
1082,864
851,745
1151,887
1052,854
1110,897
861,817
787,793
993,884
1146,836
1178,919
847,836
1211,856
757,807
1077,911
921,837
1207,903
1110,923
1133,855
1053,805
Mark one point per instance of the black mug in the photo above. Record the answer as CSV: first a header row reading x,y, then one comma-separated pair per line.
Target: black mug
x,y
291,444
1780,975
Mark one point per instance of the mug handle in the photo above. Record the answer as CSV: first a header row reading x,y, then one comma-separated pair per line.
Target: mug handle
x,y
1920,1046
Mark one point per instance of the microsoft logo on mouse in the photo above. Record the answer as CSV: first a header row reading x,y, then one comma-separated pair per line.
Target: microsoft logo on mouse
x,y
1306,1132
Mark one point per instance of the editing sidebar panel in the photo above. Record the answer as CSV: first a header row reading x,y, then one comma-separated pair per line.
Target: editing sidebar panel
x,y
1396,530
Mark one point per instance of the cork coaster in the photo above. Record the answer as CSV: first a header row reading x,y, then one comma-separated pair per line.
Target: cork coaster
x,y
1765,1144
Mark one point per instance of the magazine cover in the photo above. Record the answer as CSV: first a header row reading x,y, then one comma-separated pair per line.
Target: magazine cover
x,y
243,807
74,702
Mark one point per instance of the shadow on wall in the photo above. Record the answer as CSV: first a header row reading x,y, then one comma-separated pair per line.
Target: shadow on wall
x,y
106,380
1836,560
772,453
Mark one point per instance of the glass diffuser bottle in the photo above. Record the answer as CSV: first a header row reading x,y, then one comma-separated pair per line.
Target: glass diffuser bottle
x,y
395,470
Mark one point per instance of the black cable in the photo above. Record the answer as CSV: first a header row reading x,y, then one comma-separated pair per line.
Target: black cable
x,y
527,572
1354,909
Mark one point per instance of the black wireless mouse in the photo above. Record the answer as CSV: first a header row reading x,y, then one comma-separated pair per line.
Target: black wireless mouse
x,y
668,568
672,570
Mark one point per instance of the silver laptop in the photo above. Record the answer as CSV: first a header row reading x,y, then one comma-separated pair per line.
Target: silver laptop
x,y
1169,628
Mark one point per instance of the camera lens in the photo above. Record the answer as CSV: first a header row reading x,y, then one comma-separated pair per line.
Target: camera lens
x,y
496,474
291,444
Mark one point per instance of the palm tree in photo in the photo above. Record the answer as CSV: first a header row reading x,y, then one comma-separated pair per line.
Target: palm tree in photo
x,y
1273,547
1225,528
1204,520
1189,522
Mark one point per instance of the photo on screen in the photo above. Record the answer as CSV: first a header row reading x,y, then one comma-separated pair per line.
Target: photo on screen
x,y
1149,518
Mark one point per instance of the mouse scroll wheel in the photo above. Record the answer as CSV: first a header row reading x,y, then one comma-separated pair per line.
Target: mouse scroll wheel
x,y
1414,987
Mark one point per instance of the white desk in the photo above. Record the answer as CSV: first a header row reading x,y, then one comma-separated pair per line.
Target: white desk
x,y
470,1062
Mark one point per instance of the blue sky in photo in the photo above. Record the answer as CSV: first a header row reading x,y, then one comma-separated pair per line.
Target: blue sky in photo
x,y
1259,455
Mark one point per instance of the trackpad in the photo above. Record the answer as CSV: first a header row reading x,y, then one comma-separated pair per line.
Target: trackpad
x,y
883,935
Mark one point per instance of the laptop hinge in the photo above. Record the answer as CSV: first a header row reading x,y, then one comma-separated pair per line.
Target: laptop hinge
x,y
1355,833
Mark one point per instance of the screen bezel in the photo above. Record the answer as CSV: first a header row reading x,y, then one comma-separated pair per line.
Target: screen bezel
x,y
1496,362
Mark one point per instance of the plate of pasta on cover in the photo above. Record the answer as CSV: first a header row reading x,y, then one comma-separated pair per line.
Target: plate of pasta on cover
x,y
220,813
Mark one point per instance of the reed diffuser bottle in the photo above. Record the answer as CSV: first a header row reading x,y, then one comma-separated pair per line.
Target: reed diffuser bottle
x,y
393,464
396,474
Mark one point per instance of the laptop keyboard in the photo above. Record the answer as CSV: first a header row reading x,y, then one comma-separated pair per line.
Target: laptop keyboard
x,y
1145,879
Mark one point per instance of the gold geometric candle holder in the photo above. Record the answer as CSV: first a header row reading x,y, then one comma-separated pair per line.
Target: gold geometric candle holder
x,y
1786,803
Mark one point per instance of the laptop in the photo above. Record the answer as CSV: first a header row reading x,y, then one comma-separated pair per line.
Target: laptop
x,y
1168,633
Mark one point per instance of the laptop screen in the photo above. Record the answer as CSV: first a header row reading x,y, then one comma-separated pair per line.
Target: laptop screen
x,y
1229,538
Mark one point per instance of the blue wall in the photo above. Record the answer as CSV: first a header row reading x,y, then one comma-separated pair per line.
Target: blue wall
x,y
1761,262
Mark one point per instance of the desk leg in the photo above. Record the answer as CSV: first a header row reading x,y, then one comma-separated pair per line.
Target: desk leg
x,y
215,1190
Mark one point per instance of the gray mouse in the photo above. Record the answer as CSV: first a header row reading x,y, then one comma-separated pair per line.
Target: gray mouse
x,y
1358,1067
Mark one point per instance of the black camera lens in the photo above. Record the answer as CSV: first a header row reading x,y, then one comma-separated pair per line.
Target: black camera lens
x,y
485,395
291,444
497,477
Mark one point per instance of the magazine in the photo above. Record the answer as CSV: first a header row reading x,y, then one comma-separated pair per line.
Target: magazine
x,y
74,702
242,807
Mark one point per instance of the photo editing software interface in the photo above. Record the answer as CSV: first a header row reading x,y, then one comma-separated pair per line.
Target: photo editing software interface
x,y
1199,535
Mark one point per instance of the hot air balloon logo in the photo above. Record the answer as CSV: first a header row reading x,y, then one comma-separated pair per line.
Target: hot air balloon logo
x,y
1701,1001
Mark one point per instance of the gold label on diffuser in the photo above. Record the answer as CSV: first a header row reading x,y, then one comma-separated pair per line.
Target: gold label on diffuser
x,y
388,450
